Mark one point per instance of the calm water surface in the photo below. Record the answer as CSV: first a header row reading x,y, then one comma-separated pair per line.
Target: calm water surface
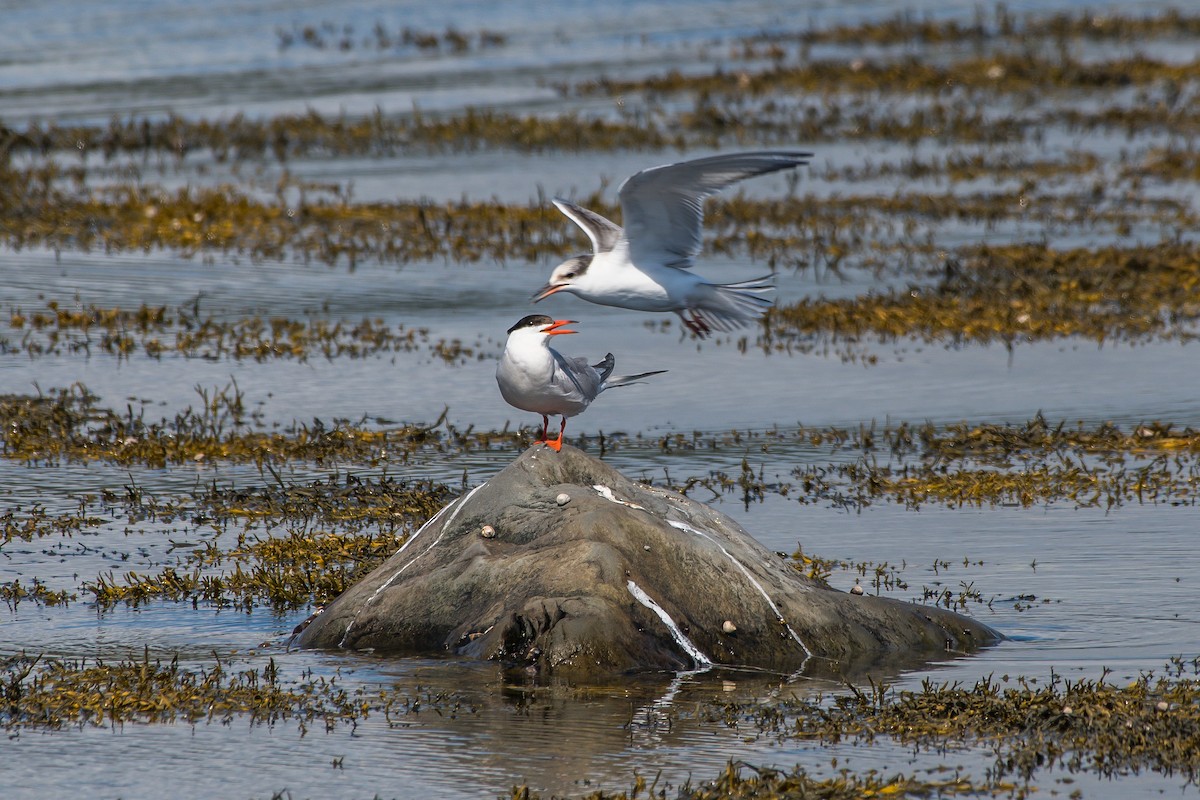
x,y
1114,591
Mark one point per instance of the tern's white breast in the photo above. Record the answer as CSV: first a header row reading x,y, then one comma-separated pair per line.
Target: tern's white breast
x,y
530,380
613,280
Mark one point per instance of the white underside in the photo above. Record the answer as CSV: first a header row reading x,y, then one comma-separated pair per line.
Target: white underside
x,y
530,379
613,280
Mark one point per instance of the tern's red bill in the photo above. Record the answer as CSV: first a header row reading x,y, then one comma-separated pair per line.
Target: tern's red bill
x,y
556,328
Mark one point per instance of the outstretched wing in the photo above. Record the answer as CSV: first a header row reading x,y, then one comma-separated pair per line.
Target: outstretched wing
x,y
663,207
604,233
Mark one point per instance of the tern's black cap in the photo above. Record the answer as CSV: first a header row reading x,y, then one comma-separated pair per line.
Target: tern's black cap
x,y
532,321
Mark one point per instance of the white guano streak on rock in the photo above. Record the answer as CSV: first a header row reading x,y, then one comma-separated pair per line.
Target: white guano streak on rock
x,y
689,648
608,495
457,507
683,526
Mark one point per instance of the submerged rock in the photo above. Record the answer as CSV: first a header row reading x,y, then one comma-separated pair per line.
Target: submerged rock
x,y
619,576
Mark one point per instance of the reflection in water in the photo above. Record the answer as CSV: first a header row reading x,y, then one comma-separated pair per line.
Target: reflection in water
x,y
549,735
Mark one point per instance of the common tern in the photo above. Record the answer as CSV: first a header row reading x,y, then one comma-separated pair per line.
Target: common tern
x,y
533,376
644,266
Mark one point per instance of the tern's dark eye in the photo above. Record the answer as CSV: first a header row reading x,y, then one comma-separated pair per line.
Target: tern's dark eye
x,y
569,275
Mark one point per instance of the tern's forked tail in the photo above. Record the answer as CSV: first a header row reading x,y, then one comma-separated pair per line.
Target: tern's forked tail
x,y
734,305
625,380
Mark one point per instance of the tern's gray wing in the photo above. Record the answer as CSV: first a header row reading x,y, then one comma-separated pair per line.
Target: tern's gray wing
x,y
578,376
604,233
663,207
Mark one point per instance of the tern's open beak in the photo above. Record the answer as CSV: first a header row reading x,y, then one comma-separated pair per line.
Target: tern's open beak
x,y
546,291
555,330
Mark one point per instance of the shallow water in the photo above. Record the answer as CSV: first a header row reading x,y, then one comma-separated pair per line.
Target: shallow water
x,y
1114,591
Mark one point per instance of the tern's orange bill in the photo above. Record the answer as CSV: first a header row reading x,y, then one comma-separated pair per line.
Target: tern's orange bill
x,y
546,291
556,329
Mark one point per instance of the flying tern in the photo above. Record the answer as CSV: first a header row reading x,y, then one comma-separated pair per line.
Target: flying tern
x,y
645,265
533,376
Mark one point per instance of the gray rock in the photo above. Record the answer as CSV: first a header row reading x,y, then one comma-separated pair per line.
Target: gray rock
x,y
623,577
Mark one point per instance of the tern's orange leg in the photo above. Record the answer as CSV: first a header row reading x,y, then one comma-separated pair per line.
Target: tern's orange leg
x,y
556,445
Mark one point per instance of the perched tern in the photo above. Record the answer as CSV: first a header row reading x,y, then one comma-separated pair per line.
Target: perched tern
x,y
533,376
644,266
